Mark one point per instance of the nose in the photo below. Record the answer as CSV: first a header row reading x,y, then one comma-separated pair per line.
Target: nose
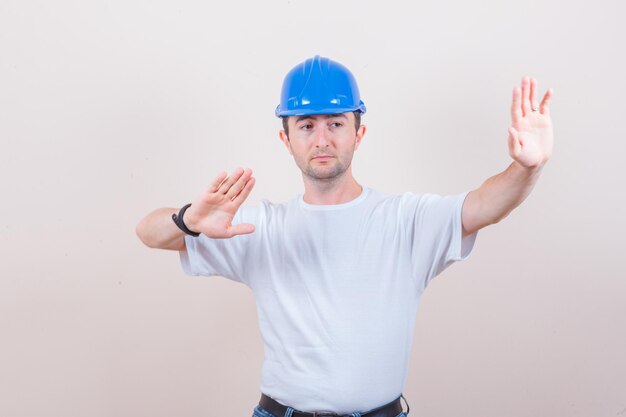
x,y
321,138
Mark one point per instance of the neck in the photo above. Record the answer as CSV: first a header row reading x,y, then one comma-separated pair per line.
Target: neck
x,y
337,190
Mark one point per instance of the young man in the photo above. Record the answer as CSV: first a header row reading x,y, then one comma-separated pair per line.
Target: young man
x,y
337,273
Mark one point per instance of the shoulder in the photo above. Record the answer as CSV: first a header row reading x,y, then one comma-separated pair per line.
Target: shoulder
x,y
383,200
429,204
391,205
412,203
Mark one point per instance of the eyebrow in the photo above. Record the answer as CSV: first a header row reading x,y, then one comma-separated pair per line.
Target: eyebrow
x,y
327,116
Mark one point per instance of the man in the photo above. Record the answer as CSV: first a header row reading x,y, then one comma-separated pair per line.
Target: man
x,y
337,273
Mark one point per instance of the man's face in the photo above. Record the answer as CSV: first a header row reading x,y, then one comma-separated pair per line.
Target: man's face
x,y
322,145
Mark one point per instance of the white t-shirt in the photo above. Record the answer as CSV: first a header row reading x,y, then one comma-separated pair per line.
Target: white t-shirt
x,y
337,289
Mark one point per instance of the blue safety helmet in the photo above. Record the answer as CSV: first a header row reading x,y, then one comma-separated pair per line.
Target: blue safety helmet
x,y
319,86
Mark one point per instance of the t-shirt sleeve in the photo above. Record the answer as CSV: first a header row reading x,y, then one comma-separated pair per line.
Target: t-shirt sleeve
x,y
224,257
435,233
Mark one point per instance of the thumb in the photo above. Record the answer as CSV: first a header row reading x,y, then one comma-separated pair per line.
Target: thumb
x,y
241,229
515,148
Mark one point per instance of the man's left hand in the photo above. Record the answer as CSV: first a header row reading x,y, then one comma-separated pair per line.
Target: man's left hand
x,y
531,135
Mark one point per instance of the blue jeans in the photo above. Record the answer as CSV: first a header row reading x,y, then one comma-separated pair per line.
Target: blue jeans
x,y
260,412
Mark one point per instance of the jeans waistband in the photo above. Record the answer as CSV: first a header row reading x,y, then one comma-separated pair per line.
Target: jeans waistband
x,y
391,409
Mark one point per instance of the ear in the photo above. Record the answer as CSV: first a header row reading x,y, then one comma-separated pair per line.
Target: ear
x,y
359,136
285,140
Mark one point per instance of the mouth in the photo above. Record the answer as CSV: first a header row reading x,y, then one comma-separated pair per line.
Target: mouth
x,y
323,157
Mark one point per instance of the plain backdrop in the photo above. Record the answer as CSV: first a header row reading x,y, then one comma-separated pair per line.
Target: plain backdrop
x,y
111,109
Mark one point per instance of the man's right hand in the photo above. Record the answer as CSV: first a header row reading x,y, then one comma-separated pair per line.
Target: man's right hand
x,y
212,213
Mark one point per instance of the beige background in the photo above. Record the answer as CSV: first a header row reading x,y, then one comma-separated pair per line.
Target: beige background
x,y
110,109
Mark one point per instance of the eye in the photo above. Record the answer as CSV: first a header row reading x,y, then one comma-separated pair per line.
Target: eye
x,y
306,126
336,124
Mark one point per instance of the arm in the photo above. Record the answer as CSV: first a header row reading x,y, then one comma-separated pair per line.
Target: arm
x,y
530,146
157,230
211,214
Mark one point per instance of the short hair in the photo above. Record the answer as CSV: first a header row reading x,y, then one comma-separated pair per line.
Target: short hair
x,y
357,121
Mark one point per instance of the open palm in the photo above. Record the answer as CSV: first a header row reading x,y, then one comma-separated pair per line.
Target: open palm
x,y
531,136
213,212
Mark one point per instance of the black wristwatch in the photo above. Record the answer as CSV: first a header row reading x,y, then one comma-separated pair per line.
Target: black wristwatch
x,y
179,221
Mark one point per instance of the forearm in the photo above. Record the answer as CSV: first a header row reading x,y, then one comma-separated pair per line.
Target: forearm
x,y
499,195
157,230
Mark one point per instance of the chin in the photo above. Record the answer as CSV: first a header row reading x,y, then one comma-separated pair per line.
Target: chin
x,y
326,173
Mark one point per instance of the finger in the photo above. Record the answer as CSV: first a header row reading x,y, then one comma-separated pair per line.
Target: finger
x,y
240,184
231,180
215,185
533,94
241,229
515,147
544,109
241,197
516,106
525,95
